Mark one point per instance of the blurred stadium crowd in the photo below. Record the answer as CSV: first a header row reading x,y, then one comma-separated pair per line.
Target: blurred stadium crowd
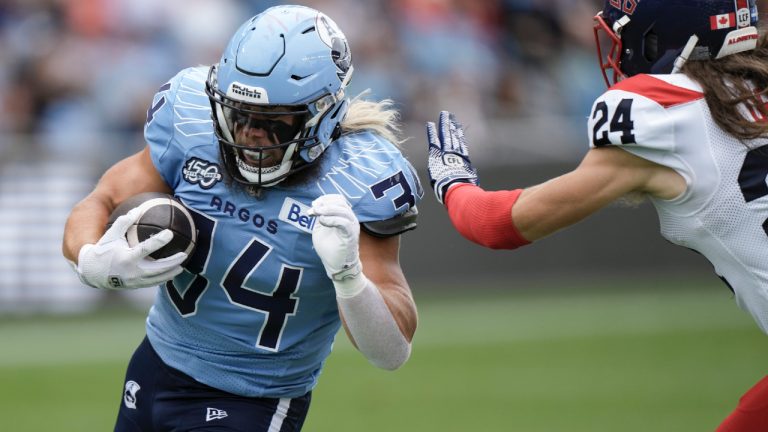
x,y
76,77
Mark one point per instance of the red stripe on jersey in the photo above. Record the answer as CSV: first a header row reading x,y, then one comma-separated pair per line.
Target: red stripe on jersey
x,y
660,91
756,114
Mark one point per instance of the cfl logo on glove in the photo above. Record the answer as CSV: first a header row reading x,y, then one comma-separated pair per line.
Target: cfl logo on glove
x,y
453,160
115,282
297,214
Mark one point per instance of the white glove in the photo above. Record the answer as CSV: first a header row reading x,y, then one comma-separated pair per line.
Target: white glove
x,y
449,162
112,264
336,238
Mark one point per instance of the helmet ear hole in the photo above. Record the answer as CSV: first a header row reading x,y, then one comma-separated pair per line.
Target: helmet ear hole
x,y
336,132
651,46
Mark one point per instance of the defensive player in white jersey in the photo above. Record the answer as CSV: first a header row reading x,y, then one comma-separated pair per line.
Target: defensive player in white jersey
x,y
299,196
683,122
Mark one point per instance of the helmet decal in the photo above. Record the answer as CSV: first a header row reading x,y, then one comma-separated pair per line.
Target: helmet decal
x,y
626,6
332,36
743,18
246,93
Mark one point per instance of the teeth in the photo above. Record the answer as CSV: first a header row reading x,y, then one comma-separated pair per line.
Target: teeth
x,y
252,169
255,155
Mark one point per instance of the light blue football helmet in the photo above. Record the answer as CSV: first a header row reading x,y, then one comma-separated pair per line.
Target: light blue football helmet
x,y
285,71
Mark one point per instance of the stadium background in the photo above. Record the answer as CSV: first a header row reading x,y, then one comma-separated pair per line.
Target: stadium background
x,y
76,77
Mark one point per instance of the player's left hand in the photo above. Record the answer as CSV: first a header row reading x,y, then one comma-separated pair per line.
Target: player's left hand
x,y
449,162
336,237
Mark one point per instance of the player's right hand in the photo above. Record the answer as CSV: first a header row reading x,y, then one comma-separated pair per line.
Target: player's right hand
x,y
112,264
448,163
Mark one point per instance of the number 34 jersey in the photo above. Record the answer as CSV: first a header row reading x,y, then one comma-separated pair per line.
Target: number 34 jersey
x,y
254,313
723,214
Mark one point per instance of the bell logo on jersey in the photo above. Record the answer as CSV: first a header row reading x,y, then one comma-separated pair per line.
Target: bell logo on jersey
x,y
297,214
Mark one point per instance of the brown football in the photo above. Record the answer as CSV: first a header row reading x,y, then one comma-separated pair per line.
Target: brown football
x,y
158,212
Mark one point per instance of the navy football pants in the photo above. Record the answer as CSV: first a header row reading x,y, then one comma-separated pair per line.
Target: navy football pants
x,y
157,398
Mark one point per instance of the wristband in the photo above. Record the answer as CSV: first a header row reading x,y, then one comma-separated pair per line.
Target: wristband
x,y
484,217
350,282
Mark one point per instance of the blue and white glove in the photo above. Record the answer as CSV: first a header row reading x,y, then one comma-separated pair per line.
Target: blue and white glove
x,y
112,264
449,162
336,238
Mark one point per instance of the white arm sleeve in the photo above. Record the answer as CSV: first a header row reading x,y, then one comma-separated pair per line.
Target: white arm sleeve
x,y
373,328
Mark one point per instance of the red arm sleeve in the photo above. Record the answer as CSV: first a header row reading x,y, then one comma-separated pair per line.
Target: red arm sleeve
x,y
484,217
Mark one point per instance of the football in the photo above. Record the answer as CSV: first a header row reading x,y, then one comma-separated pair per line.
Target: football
x,y
158,212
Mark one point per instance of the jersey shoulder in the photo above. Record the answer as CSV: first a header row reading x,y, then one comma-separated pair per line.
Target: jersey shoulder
x,y
178,119
377,180
665,90
642,111
180,105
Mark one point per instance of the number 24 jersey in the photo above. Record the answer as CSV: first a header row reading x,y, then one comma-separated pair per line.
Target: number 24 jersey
x,y
723,214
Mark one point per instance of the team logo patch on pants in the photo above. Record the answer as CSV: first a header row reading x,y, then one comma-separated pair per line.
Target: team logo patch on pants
x,y
129,395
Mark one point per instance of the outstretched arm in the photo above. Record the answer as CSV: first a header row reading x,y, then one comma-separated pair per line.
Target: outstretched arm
x,y
603,176
509,219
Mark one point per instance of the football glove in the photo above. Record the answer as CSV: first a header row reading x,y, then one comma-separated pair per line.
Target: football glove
x,y
449,162
336,238
112,264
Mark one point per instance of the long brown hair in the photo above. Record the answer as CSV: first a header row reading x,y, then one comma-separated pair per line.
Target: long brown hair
x,y
733,82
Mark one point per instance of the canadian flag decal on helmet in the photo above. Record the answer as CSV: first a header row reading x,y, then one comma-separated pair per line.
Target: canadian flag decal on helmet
x,y
717,22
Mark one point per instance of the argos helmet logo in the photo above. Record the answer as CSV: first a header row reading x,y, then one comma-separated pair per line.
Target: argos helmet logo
x,y
332,36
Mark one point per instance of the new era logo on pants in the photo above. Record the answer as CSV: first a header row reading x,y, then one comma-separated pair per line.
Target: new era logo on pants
x,y
214,414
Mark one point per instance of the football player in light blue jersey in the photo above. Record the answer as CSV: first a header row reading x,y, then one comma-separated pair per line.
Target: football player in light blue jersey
x,y
299,196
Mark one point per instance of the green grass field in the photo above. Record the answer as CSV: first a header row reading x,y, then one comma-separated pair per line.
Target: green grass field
x,y
667,357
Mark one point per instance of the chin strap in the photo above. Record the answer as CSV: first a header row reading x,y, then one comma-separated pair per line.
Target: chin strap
x,y
683,57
